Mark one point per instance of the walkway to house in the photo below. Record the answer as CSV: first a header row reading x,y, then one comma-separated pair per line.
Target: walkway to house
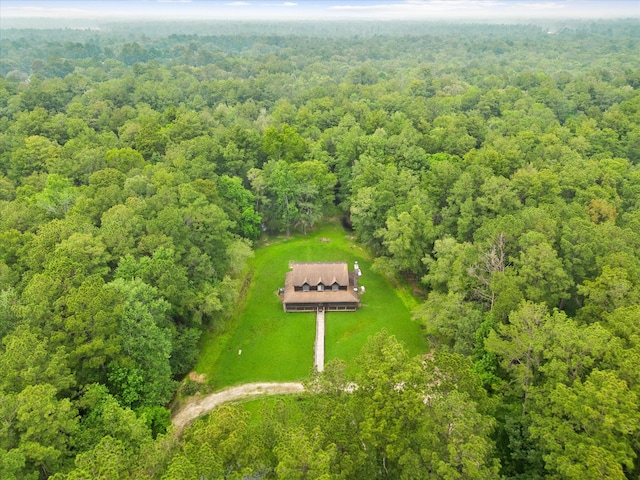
x,y
197,406
319,344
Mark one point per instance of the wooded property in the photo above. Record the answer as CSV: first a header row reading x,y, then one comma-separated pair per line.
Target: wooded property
x,y
157,177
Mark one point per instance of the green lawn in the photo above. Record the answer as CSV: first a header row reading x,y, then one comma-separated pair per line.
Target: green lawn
x,y
278,346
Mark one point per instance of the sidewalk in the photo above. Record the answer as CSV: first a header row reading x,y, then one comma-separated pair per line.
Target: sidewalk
x,y
319,344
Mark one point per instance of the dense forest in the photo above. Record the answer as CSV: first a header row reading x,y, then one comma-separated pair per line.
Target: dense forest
x,y
496,168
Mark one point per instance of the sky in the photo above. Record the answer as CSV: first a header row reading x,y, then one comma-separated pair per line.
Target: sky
x,y
319,9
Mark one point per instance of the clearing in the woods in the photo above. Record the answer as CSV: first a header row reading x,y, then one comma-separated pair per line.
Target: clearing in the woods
x,y
265,344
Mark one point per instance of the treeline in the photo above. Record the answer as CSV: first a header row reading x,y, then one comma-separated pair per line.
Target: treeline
x,y
401,417
495,168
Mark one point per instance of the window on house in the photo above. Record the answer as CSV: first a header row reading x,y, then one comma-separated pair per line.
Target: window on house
x,y
320,287
305,287
335,287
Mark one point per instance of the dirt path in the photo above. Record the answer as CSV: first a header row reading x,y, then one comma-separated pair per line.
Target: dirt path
x,y
198,406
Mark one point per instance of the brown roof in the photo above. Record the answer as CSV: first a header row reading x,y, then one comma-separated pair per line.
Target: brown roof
x,y
326,273
314,273
327,296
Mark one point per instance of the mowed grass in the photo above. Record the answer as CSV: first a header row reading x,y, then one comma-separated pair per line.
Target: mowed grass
x,y
278,346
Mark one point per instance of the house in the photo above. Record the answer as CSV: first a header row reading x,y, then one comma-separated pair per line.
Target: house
x,y
329,286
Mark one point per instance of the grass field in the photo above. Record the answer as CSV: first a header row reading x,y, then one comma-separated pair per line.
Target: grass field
x,y
278,346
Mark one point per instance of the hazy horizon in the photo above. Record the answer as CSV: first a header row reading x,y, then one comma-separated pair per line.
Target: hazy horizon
x,y
325,10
